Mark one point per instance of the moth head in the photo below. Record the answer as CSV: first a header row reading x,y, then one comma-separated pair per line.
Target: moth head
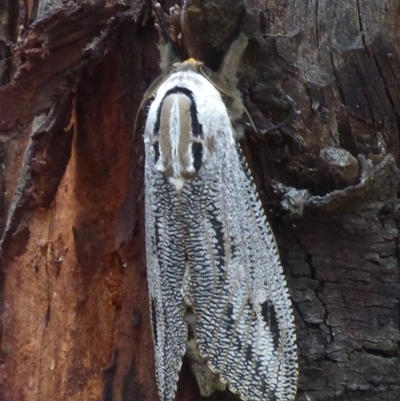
x,y
190,64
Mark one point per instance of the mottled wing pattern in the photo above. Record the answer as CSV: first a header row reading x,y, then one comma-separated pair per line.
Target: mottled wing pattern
x,y
244,322
165,269
203,215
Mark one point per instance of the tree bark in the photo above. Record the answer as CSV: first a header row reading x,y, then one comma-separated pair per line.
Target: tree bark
x,y
73,296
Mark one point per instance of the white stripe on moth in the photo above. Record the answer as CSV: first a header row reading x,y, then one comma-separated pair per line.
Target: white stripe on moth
x,y
178,183
175,135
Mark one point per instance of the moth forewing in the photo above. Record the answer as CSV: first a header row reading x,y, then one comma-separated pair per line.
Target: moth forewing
x,y
211,252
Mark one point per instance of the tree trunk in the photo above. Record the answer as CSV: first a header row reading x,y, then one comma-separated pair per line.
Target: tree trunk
x,y
73,296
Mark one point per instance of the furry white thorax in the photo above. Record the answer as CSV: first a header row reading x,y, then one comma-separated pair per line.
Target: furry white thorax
x,y
212,117
206,94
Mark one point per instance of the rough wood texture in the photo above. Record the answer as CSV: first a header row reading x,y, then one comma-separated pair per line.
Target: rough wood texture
x,y
73,296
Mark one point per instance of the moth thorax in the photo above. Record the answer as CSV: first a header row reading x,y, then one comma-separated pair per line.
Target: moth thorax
x,y
178,145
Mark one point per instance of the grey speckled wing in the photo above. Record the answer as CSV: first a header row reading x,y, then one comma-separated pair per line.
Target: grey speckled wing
x,y
244,322
165,268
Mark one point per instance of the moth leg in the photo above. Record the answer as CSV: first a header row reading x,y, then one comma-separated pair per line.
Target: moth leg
x,y
168,55
169,50
207,381
272,128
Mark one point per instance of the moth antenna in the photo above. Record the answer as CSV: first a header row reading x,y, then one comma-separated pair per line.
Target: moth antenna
x,y
233,95
230,64
227,75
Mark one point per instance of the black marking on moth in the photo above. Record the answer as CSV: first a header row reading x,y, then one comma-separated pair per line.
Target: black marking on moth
x,y
156,148
190,329
269,315
229,319
157,238
249,352
234,252
197,129
197,151
154,319
237,341
220,243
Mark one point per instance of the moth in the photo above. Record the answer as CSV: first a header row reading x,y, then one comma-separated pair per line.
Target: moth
x,y
216,285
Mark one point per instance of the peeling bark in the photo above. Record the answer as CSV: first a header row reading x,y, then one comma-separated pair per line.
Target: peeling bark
x,y
73,292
